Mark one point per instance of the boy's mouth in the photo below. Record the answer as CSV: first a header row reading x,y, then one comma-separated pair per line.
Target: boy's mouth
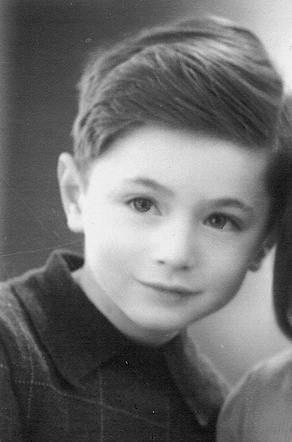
x,y
174,289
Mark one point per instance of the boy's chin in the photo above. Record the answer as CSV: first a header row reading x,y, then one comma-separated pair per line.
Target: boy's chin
x,y
155,332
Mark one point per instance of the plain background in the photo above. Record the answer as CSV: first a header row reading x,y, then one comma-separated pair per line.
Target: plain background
x,y
43,46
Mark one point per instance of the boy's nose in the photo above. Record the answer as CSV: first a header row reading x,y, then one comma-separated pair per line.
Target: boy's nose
x,y
175,246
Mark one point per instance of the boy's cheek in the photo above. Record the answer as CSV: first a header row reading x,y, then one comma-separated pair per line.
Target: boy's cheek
x,y
107,250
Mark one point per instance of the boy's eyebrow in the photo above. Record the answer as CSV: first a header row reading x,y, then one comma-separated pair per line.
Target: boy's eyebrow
x,y
148,182
234,203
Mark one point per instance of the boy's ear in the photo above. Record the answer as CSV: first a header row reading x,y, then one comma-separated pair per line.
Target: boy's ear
x,y
256,262
71,190
262,252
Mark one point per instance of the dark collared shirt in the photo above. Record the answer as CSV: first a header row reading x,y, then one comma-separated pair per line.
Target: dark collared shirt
x,y
66,374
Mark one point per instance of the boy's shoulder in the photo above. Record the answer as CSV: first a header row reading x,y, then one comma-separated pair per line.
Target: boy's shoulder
x,y
23,295
27,306
12,309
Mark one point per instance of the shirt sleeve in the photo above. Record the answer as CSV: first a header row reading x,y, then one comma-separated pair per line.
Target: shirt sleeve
x,y
260,407
9,412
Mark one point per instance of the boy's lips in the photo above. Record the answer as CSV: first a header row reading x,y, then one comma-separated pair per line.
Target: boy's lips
x,y
175,289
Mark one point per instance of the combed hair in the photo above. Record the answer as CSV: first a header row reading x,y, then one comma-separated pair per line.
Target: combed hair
x,y
208,75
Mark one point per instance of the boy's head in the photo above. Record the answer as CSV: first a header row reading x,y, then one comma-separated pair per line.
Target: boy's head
x,y
177,136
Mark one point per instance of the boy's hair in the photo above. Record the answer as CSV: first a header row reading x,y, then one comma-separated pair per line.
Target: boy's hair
x,y
206,74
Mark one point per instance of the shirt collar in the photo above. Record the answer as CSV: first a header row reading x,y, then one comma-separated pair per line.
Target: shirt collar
x,y
202,387
79,338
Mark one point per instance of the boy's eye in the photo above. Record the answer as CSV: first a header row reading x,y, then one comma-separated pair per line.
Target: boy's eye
x,y
220,221
141,204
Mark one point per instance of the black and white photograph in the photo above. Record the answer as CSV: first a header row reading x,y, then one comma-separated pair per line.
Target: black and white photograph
x,y
146,220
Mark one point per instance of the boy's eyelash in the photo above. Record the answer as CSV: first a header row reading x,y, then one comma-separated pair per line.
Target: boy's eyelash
x,y
136,204
228,219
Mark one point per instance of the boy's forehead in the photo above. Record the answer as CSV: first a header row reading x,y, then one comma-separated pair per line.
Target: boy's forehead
x,y
150,142
171,157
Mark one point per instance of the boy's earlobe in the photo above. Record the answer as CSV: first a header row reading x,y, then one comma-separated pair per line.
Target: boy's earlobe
x,y
262,252
256,263
71,188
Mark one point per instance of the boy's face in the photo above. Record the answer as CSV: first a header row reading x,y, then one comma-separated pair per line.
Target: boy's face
x,y
172,221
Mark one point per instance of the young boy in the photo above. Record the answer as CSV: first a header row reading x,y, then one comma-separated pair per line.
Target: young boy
x,y
174,183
